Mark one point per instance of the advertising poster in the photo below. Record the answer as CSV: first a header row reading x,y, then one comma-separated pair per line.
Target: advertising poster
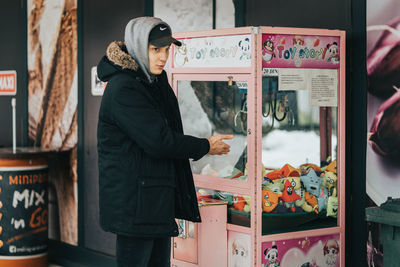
x,y
383,113
23,220
52,105
383,100
239,253
321,251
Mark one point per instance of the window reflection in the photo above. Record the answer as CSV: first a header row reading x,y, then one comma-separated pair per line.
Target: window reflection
x,y
216,107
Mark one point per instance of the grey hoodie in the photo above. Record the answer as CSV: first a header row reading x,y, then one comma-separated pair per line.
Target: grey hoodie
x,y
137,33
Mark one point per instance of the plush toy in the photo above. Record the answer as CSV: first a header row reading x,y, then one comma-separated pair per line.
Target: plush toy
x,y
279,183
239,202
274,186
312,201
322,200
312,182
273,175
332,167
303,203
305,168
329,181
295,181
270,200
289,196
286,171
247,206
332,207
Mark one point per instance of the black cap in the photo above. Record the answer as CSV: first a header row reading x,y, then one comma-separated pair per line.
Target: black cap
x,y
161,36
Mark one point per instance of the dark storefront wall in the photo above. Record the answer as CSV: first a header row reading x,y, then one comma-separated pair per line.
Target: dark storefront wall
x,y
13,57
327,14
102,23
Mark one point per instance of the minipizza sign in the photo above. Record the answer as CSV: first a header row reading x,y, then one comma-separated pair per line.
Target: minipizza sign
x,y
8,82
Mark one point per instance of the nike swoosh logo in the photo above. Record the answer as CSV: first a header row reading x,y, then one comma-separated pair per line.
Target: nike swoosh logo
x,y
162,29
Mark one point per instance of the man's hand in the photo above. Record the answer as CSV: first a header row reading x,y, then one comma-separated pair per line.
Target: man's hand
x,y
217,146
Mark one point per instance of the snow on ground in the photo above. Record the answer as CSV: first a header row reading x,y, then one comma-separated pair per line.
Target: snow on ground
x,y
293,147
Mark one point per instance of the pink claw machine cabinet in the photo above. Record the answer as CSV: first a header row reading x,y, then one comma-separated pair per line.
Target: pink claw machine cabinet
x,y
281,93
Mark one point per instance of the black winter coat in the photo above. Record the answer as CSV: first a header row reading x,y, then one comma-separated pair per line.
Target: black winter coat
x,y
145,179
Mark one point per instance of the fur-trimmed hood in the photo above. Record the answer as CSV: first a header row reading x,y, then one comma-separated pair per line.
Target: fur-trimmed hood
x,y
117,60
132,54
117,53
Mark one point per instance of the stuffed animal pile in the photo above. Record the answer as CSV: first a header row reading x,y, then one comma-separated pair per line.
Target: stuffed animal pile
x,y
308,188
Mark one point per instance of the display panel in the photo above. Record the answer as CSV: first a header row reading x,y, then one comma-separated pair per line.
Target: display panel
x,y
217,107
304,252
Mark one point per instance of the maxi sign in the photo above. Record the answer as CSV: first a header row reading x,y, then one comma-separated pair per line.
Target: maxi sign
x,y
8,82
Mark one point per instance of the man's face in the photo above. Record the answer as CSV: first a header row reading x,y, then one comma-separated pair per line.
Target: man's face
x,y
158,57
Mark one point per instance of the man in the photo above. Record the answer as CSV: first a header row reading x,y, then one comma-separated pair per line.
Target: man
x,y
145,180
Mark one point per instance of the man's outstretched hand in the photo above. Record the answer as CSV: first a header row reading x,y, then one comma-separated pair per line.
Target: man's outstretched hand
x,y
217,146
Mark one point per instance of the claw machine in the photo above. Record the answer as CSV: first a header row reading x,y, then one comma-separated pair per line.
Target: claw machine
x,y
278,197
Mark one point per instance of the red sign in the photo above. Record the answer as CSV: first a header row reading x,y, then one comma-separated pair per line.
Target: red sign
x,y
8,82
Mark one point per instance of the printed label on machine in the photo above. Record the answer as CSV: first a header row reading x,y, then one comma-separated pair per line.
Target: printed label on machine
x,y
323,86
322,83
219,52
300,51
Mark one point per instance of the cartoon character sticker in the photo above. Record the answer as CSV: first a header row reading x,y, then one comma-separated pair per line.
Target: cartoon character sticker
x,y
181,55
244,46
331,252
268,50
298,44
238,249
334,53
271,256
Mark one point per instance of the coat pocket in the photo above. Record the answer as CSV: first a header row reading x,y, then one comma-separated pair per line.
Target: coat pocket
x,y
156,200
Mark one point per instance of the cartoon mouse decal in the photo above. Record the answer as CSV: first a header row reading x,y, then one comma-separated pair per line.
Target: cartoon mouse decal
x,y
244,45
334,53
268,50
271,255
